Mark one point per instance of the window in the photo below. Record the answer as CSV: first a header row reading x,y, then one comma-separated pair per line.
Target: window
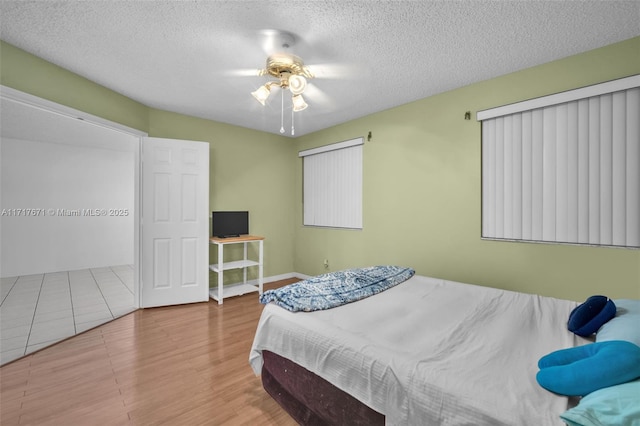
x,y
564,168
332,185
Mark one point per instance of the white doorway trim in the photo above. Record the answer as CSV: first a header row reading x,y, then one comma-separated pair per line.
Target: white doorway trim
x,y
46,105
53,107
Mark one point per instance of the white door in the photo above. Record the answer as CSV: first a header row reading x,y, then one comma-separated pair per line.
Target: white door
x,y
175,222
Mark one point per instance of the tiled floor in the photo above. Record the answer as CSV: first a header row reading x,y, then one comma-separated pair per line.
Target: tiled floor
x,y
39,310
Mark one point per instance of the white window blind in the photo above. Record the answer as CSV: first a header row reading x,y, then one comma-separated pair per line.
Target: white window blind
x,y
567,170
332,185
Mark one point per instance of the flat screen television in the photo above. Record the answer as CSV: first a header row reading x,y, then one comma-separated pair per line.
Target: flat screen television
x,y
229,224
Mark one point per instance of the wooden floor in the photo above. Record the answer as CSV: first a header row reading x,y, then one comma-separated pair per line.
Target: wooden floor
x,y
180,365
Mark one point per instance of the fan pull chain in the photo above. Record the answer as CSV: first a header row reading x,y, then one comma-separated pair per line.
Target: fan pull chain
x,y
293,131
282,112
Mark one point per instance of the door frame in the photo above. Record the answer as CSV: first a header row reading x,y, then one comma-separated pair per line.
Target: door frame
x,y
56,108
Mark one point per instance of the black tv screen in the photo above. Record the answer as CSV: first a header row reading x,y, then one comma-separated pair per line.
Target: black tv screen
x,y
229,224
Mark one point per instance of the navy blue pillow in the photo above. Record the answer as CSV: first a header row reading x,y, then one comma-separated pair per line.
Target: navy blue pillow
x,y
588,317
581,370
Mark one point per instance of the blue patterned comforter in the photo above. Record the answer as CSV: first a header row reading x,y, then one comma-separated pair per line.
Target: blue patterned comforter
x,y
336,288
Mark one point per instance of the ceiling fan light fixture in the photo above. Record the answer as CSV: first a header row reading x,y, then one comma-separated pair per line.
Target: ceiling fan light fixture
x,y
298,103
297,84
292,74
262,93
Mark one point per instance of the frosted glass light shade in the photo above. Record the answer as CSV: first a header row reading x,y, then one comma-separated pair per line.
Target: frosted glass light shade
x,y
297,84
261,94
298,103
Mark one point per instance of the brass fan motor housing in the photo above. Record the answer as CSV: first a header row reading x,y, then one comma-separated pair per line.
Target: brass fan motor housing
x,y
281,65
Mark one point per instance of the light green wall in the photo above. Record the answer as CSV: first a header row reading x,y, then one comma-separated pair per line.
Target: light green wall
x,y
35,76
422,192
250,170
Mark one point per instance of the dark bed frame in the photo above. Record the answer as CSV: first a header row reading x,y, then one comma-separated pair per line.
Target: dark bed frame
x,y
310,399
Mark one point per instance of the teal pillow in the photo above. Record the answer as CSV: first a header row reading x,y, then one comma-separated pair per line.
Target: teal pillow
x,y
581,370
615,405
625,325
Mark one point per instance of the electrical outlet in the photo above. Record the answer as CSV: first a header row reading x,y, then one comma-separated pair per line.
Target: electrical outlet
x,y
326,264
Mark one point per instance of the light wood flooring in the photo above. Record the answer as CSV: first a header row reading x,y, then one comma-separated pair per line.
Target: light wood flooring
x,y
178,365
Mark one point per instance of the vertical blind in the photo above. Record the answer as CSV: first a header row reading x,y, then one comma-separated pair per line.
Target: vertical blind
x,y
332,185
564,168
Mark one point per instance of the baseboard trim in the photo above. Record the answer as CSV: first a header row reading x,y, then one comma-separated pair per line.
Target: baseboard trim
x,y
273,278
286,276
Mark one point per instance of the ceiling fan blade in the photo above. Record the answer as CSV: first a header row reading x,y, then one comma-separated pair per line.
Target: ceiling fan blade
x,y
316,97
334,71
246,72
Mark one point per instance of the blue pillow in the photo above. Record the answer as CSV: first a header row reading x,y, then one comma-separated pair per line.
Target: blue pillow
x,y
615,405
581,370
625,325
588,317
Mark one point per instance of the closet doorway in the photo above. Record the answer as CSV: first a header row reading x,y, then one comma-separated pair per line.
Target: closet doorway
x,y
69,222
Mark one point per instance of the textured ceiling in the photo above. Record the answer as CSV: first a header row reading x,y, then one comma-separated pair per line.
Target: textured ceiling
x,y
192,57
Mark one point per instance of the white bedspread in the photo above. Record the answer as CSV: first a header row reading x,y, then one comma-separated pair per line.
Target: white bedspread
x,y
431,352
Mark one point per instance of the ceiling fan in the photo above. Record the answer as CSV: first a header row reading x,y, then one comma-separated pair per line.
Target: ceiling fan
x,y
286,71
290,73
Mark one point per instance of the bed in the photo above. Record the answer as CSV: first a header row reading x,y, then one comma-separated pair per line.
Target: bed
x,y
426,351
